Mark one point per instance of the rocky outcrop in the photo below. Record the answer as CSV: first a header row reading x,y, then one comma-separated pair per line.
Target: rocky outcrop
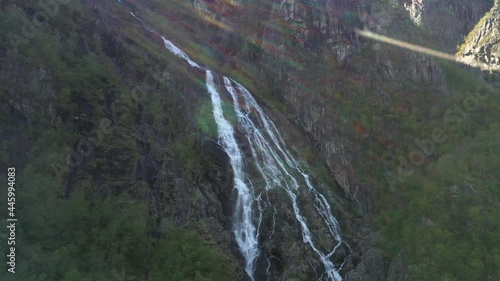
x,y
482,46
373,266
447,20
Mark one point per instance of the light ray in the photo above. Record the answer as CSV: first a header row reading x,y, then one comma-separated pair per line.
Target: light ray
x,y
422,50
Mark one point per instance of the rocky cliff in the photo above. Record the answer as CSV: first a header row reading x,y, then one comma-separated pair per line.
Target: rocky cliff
x,y
482,46
448,21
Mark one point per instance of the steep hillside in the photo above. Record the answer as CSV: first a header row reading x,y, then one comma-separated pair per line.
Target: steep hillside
x,y
113,176
102,119
123,170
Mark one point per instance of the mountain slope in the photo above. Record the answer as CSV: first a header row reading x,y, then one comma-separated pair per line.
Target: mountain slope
x,y
106,175
115,135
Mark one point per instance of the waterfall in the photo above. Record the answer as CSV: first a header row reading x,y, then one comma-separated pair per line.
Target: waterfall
x,y
178,52
244,229
278,169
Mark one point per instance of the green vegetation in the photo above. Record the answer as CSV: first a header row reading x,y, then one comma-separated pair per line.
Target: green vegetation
x,y
87,238
446,216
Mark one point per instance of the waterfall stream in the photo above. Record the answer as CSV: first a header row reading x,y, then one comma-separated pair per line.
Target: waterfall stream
x,y
278,170
244,229
276,165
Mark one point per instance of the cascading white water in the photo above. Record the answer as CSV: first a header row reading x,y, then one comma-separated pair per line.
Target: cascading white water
x,y
178,52
244,229
278,168
276,165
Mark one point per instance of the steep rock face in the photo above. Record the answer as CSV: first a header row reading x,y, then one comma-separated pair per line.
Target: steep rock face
x,y
329,28
482,46
448,21
325,31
